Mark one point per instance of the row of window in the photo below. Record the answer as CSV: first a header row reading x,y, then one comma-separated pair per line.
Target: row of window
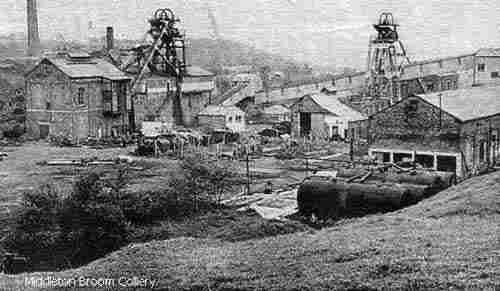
x,y
482,68
238,118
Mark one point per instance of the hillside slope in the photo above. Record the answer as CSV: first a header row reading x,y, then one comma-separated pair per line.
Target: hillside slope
x,y
448,242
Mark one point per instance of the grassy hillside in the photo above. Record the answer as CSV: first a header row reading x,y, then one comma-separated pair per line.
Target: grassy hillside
x,y
448,242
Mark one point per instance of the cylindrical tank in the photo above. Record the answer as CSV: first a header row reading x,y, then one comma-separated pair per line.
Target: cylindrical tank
x,y
329,198
320,196
438,180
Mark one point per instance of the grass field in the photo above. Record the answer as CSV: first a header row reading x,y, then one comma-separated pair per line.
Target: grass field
x,y
448,242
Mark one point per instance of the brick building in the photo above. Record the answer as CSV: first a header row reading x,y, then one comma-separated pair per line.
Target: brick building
x,y
456,130
78,96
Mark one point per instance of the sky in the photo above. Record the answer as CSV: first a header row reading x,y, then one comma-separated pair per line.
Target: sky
x,y
319,32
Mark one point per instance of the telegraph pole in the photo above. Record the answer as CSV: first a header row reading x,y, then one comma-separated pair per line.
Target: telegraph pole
x,y
248,170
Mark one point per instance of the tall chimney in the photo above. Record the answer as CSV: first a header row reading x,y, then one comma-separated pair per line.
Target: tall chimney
x,y
33,36
110,38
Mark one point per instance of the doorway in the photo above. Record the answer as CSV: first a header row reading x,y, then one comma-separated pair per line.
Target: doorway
x,y
44,131
305,123
447,163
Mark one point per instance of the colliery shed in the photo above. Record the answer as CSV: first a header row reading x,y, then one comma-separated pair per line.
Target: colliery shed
x,y
455,131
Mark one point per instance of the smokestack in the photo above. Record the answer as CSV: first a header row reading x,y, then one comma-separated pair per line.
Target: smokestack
x,y
33,36
110,38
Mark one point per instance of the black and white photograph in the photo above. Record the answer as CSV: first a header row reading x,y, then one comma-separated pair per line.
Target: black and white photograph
x,y
258,145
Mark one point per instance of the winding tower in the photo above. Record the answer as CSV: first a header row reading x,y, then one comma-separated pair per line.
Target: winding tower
x,y
386,58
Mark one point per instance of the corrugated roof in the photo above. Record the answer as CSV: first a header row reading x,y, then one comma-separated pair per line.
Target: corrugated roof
x,y
215,110
488,52
333,105
95,67
467,104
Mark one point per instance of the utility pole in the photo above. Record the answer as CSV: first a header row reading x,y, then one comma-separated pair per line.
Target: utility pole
x,y
248,170
440,111
351,148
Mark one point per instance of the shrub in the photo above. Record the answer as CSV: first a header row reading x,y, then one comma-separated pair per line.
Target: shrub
x,y
36,228
12,129
77,228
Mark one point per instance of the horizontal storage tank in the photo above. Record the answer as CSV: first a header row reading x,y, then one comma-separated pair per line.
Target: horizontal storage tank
x,y
330,198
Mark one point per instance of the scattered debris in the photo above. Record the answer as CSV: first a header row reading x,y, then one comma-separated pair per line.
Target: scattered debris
x,y
278,205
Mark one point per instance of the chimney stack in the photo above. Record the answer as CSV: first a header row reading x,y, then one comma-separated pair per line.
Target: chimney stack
x,y
33,36
110,39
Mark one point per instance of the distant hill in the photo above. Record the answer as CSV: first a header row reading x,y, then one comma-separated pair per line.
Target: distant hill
x,y
213,54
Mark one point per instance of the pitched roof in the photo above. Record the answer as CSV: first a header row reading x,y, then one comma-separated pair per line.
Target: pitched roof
x,y
334,106
467,104
91,68
217,110
488,52
194,71
276,109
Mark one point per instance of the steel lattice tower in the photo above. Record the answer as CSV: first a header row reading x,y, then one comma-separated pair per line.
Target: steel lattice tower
x,y
386,57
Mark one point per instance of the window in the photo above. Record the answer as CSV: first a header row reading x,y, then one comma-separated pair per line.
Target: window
x,y
494,74
48,105
402,157
333,82
412,108
455,85
448,85
426,161
440,64
81,96
238,118
350,80
404,90
430,87
459,61
230,119
482,151
481,67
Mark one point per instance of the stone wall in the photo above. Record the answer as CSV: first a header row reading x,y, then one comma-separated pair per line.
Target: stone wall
x,y
211,122
480,133
491,73
52,100
414,124
285,93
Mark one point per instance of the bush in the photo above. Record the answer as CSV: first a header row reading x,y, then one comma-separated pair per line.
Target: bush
x,y
12,129
77,228
92,220
96,217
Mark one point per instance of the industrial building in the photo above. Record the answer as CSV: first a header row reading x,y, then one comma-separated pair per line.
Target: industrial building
x,y
456,130
221,118
276,113
322,116
78,96
155,97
